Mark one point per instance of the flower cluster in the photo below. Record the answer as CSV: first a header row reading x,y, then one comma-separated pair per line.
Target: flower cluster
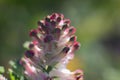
x,y
53,45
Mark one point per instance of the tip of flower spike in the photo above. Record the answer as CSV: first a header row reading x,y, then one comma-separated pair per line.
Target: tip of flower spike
x,y
29,53
53,16
43,27
33,32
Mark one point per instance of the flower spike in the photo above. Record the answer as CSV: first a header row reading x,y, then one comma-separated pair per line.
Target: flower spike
x,y
53,45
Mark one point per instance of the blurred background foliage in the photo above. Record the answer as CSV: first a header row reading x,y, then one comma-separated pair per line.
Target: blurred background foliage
x,y
98,30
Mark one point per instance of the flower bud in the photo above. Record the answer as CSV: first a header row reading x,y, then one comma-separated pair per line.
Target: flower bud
x,y
33,33
72,31
29,53
58,19
64,27
72,39
53,16
48,38
65,49
76,45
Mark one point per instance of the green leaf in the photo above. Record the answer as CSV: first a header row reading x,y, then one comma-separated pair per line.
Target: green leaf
x,y
2,70
49,68
16,71
12,63
26,44
12,77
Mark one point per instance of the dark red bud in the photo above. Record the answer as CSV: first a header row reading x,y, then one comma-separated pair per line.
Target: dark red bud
x,y
78,75
76,45
65,27
73,38
53,16
58,19
72,30
39,29
65,49
31,45
67,21
33,32
48,38
29,53
48,24
43,27
40,24
47,19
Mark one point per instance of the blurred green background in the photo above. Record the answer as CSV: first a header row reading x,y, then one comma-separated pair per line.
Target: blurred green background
x,y
98,31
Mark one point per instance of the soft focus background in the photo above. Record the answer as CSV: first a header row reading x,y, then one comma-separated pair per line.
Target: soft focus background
x,y
98,30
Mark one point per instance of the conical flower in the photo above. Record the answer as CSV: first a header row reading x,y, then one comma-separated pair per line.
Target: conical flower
x,y
53,45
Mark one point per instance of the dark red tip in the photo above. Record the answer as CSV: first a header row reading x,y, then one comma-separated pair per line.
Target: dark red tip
x,y
33,32
65,49
47,19
40,23
31,45
53,16
67,21
76,45
58,19
72,30
48,38
78,77
39,29
73,38
29,53
43,27
65,27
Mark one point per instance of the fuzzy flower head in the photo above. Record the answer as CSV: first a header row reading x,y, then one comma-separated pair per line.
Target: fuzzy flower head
x,y
53,45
